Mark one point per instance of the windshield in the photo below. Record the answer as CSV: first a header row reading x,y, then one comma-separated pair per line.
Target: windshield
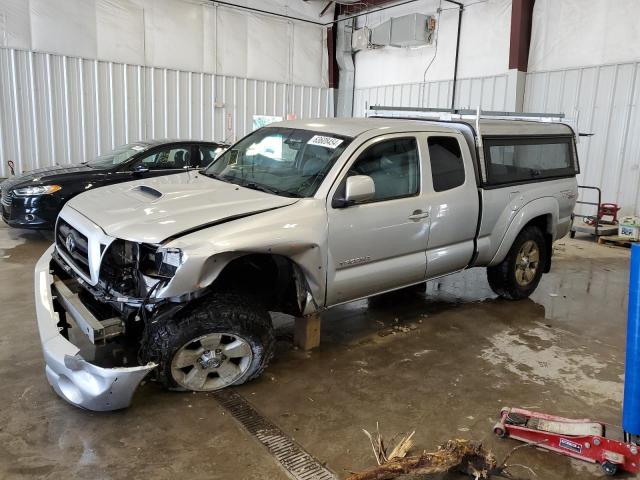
x,y
117,156
283,161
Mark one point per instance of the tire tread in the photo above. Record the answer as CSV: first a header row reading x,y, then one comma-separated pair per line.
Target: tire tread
x,y
219,312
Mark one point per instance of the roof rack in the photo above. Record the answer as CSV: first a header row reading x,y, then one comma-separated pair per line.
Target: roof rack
x,y
448,113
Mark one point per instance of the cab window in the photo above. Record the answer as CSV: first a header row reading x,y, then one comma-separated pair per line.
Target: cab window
x,y
164,159
447,166
394,167
208,153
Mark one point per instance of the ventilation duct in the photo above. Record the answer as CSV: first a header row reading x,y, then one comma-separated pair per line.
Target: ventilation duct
x,y
412,30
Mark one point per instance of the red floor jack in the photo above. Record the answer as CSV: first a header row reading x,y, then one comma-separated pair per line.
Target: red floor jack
x,y
586,439
583,439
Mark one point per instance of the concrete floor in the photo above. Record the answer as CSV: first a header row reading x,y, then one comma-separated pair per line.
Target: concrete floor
x,y
462,356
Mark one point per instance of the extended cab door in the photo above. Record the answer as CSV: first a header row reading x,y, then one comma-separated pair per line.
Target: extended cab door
x,y
452,202
380,244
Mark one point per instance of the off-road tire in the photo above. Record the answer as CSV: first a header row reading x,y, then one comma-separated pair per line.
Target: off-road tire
x,y
502,277
226,313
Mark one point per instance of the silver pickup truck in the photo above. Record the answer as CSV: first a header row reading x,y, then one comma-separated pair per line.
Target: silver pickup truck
x,y
177,274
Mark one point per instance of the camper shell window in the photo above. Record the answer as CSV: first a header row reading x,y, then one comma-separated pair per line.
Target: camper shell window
x,y
518,159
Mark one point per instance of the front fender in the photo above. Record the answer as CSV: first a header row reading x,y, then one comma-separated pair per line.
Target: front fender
x,y
297,232
545,206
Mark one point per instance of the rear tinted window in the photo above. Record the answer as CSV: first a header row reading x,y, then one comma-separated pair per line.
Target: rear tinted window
x,y
447,168
521,159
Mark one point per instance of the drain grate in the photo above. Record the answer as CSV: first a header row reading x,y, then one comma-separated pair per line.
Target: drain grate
x,y
298,463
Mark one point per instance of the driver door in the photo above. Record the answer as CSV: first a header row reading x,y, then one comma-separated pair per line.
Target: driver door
x,y
379,245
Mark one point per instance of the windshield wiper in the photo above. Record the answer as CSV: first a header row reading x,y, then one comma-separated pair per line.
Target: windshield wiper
x,y
266,189
215,176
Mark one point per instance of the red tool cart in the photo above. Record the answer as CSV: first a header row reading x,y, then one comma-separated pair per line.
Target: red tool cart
x,y
583,439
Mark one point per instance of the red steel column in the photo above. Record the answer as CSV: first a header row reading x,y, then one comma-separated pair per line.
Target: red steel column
x,y
521,15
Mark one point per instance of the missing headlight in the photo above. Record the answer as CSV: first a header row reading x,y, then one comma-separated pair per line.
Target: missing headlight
x,y
158,261
168,259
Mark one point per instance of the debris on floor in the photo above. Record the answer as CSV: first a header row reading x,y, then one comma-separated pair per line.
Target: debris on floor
x,y
467,457
400,450
462,456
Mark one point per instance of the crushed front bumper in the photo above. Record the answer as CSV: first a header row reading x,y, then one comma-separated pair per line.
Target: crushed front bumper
x,y
73,378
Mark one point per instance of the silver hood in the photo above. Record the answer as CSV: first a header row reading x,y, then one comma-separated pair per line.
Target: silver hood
x,y
155,209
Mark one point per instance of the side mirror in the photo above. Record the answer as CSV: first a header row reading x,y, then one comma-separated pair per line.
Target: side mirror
x,y
140,168
358,189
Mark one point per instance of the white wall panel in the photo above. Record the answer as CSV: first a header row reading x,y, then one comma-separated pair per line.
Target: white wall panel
x,y
311,41
605,100
575,33
278,49
14,24
64,26
484,45
58,109
173,34
490,93
120,31
190,35
232,35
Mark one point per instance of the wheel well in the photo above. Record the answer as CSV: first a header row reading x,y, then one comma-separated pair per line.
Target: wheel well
x,y
543,222
270,279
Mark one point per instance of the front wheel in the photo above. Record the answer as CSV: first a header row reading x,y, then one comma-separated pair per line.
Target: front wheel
x,y
221,341
609,468
518,275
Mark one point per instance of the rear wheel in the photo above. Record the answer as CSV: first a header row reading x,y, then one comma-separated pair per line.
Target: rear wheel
x,y
224,340
518,275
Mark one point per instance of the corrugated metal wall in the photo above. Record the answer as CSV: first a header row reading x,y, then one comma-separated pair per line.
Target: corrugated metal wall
x,y
488,92
605,100
58,109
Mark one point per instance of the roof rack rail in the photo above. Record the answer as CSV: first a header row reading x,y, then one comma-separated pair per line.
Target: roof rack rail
x,y
462,112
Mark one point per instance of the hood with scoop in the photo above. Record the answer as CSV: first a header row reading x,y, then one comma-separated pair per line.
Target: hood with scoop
x,y
155,209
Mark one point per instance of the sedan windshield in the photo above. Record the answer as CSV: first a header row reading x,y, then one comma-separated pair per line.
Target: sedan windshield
x,y
117,156
283,161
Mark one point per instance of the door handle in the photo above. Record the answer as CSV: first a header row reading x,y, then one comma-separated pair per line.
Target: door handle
x,y
418,215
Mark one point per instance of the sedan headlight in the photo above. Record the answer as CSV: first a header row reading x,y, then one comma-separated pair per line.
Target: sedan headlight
x,y
36,190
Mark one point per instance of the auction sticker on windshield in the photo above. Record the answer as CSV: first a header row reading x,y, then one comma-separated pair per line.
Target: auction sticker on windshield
x,y
322,141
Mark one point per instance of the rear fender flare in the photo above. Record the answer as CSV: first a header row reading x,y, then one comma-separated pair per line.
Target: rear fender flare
x,y
545,206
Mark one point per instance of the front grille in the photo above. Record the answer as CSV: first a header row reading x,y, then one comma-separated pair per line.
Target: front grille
x,y
74,245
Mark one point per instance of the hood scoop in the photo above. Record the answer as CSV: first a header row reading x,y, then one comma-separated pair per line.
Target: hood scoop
x,y
145,192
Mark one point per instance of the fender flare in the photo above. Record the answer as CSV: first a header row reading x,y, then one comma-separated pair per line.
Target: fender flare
x,y
545,206
215,264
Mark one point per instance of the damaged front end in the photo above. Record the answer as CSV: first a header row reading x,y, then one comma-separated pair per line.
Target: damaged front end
x,y
93,310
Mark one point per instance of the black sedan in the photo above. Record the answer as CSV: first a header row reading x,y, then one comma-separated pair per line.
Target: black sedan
x,y
34,199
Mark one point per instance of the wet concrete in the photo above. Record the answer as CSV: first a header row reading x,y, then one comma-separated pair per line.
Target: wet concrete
x,y
441,362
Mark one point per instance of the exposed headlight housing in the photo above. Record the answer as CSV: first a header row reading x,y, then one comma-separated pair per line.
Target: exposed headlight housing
x,y
160,261
168,261
36,190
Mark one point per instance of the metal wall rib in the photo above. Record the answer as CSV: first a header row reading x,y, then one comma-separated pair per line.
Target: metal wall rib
x,y
605,101
488,92
58,109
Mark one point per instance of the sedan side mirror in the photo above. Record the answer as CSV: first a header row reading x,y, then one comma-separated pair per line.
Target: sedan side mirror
x,y
140,168
359,188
